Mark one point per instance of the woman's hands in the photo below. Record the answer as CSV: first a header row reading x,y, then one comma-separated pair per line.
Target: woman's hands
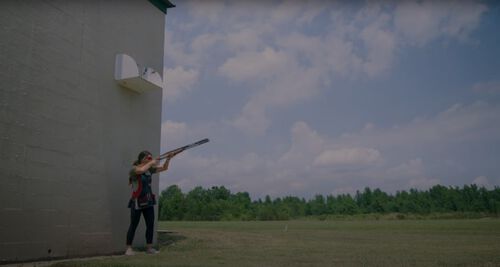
x,y
167,161
170,156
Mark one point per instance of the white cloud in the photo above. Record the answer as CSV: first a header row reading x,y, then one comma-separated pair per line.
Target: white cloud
x,y
269,53
255,65
459,123
410,174
285,12
380,44
246,39
260,45
316,163
289,81
178,81
206,11
464,17
330,53
311,10
306,144
482,181
341,58
243,173
487,87
173,129
282,82
291,87
413,168
202,43
252,120
421,22
348,156
423,183
173,133
344,190
258,174
175,51
369,126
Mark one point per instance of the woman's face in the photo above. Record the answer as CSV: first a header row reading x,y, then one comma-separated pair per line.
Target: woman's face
x,y
147,159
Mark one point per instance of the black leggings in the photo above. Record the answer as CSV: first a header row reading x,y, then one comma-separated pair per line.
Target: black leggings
x,y
135,216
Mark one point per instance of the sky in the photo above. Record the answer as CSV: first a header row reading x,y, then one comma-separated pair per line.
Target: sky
x,y
322,97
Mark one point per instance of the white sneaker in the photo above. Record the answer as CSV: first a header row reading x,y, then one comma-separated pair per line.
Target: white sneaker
x,y
130,252
152,251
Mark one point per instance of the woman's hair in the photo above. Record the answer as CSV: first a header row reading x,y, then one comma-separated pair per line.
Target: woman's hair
x,y
141,156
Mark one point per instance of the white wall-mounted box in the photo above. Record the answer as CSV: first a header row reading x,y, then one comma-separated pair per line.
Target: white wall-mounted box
x,y
129,75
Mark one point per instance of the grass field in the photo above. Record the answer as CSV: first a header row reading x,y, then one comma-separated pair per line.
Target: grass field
x,y
321,243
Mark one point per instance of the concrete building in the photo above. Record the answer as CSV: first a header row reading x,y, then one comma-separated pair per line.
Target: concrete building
x,y
68,131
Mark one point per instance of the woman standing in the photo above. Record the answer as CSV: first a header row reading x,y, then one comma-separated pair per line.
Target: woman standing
x,y
143,199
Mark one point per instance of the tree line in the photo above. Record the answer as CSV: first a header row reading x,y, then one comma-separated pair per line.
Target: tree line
x,y
218,203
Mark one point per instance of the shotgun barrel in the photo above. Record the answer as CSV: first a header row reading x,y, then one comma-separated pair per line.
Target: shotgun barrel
x,y
180,149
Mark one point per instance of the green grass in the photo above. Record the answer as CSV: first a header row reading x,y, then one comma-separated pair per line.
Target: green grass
x,y
467,242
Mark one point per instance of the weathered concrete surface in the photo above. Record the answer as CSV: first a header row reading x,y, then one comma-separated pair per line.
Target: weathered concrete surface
x,y
68,132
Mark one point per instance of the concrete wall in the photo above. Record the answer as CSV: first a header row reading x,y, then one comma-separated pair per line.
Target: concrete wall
x,y
68,132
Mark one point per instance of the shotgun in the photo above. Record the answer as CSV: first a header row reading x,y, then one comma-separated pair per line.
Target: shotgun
x,y
180,149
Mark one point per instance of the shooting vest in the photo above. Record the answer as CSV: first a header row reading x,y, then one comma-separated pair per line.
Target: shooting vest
x,y
142,194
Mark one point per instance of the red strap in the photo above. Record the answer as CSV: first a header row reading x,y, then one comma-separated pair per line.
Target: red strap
x,y
137,193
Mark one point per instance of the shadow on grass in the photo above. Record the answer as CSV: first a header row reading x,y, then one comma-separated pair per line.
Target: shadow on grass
x,y
165,239
168,238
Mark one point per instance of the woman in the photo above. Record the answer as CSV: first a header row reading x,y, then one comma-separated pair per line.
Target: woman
x,y
143,199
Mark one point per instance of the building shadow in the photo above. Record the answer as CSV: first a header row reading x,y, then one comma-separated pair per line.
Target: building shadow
x,y
168,238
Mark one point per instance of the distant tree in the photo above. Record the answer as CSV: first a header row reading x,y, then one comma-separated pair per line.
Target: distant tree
x,y
346,205
318,205
296,207
196,202
266,211
172,204
218,203
364,200
379,201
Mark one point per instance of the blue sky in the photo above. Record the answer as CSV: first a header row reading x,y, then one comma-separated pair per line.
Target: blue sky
x,y
322,97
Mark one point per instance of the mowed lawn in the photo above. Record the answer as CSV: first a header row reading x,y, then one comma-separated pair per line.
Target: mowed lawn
x,y
321,243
